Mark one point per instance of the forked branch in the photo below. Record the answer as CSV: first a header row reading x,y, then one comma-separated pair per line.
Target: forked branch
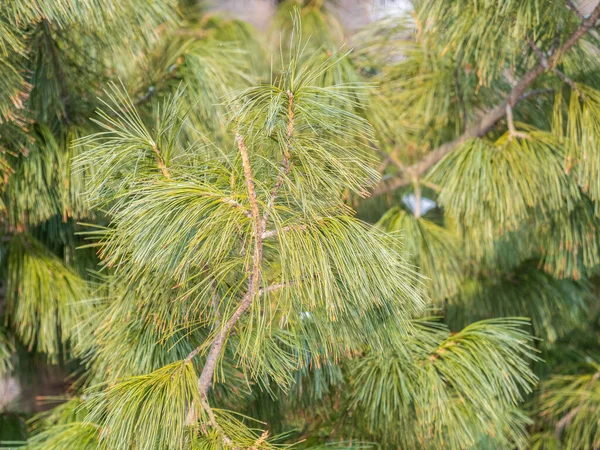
x,y
255,275
253,279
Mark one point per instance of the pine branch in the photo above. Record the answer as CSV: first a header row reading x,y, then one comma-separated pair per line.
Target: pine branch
x,y
535,92
254,279
492,116
564,421
511,125
253,282
276,287
544,61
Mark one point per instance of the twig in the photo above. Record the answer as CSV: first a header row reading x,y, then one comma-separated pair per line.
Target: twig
x,y
489,119
213,423
276,287
511,126
159,160
273,233
562,423
261,291
538,52
570,82
286,163
235,204
544,61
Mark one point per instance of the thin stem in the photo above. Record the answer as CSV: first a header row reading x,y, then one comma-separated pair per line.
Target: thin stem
x,y
535,92
273,233
261,291
286,163
235,204
511,125
254,279
563,422
544,61
570,82
160,161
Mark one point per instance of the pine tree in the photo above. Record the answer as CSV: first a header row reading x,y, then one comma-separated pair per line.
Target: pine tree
x,y
230,253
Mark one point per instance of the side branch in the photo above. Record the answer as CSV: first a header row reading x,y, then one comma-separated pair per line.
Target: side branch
x,y
490,118
286,164
159,161
237,205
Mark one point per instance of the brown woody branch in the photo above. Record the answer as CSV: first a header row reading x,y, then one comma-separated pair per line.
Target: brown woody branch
x,y
535,92
544,61
254,278
160,161
490,118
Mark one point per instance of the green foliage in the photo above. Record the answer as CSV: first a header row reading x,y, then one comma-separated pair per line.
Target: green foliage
x,y
74,435
554,306
569,242
428,394
504,177
576,123
479,31
6,349
430,247
570,404
45,298
147,411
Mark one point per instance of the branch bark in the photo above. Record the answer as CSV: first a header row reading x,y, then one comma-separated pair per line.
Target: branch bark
x,y
490,118
160,161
